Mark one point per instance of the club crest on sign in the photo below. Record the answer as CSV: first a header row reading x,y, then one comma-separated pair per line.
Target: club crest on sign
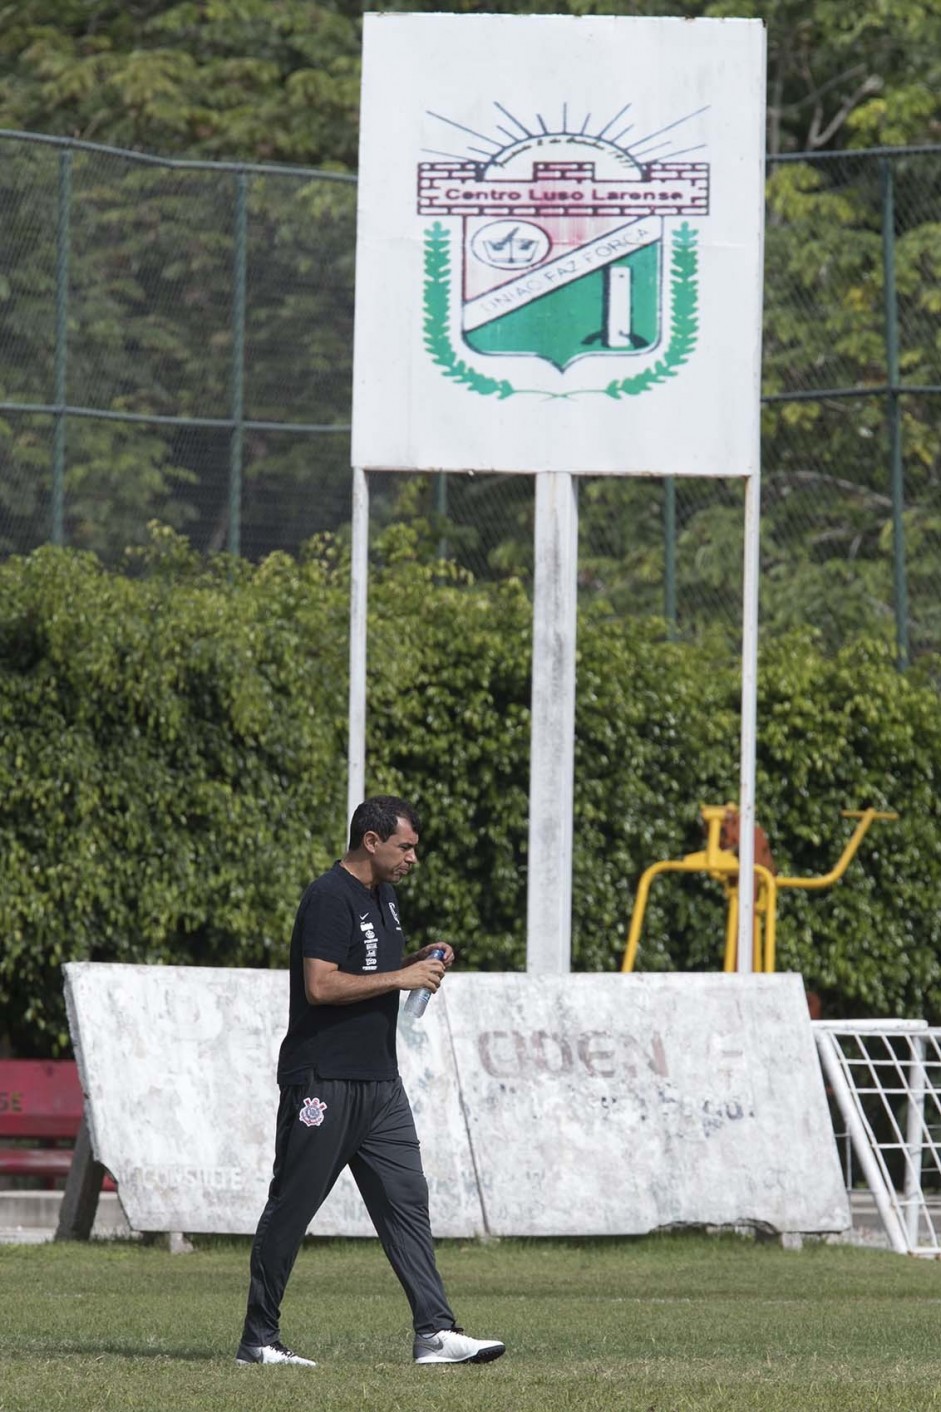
x,y
569,249
312,1111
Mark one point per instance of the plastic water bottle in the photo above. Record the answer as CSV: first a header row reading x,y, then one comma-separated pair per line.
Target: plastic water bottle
x,y
418,999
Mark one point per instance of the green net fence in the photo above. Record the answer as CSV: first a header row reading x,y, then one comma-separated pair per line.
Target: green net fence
x,y
175,344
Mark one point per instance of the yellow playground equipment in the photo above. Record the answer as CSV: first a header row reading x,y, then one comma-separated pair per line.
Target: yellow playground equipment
x,y
719,861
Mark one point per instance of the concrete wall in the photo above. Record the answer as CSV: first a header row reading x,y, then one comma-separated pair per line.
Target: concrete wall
x,y
546,1105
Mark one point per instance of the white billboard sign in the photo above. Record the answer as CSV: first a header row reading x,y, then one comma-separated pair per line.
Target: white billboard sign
x,y
559,249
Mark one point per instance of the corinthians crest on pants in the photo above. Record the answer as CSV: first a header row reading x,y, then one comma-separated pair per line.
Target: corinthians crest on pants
x,y
312,1111
567,249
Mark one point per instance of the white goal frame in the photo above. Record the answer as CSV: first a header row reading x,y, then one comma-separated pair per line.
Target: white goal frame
x,y
885,1077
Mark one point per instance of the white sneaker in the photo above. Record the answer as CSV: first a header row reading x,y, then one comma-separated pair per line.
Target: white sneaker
x,y
454,1346
270,1353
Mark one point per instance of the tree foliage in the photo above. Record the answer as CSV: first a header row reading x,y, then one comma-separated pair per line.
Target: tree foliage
x,y
253,79
278,79
174,774
151,332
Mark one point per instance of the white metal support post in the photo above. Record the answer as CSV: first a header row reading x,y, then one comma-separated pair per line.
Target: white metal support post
x,y
552,757
914,1139
359,588
746,798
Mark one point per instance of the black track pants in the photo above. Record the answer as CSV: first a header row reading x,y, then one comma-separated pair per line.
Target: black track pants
x,y
369,1127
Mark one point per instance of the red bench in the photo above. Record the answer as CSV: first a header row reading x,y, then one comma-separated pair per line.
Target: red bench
x,y
41,1104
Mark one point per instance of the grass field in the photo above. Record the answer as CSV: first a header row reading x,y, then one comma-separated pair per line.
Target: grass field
x,y
660,1324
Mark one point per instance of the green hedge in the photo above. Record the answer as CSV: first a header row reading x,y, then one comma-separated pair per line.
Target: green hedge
x,y
173,772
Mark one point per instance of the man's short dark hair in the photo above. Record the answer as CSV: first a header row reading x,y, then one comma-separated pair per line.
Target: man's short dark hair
x,y
381,815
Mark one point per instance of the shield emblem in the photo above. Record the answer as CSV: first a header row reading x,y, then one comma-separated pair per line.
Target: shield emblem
x,y
598,290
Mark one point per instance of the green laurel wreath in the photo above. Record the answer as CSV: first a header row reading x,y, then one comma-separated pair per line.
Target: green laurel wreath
x,y
684,322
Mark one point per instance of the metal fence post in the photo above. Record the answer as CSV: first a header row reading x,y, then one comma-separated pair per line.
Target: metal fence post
x,y
894,415
669,552
441,510
60,365
240,260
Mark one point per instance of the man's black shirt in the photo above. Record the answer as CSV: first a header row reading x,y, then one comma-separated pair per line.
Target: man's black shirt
x,y
341,920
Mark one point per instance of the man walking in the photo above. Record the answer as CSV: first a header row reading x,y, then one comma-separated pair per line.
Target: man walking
x,y
342,1101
